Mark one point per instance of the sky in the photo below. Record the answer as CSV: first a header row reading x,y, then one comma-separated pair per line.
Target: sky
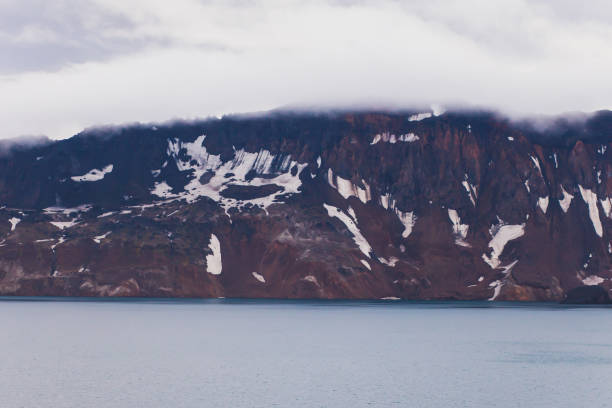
x,y
70,64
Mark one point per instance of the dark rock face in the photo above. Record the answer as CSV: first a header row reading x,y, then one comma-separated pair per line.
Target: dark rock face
x,y
343,205
250,192
587,295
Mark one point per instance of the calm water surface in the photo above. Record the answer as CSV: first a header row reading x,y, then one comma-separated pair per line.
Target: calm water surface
x,y
230,353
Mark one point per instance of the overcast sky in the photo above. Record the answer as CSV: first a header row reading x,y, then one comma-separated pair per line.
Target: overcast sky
x,y
70,64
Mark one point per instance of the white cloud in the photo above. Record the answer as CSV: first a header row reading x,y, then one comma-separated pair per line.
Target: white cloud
x,y
190,58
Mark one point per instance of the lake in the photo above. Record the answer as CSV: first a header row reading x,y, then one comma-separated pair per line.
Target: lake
x,y
248,353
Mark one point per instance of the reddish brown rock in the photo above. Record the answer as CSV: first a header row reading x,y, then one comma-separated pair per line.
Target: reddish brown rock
x,y
389,230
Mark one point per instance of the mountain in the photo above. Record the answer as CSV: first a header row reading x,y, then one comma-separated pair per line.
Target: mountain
x,y
410,205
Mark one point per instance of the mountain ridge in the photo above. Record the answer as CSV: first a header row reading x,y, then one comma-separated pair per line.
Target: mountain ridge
x,y
463,205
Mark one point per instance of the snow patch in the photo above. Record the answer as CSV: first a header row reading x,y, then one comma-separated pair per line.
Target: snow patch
x,y
366,264
408,137
262,163
64,224
496,285
536,163
106,214
347,189
163,190
94,174
61,240
392,261
565,202
99,238
471,190
543,203
351,225
593,280
352,213
408,219
213,261
14,221
460,231
67,211
606,204
508,268
501,234
388,137
259,277
384,200
311,278
419,116
590,198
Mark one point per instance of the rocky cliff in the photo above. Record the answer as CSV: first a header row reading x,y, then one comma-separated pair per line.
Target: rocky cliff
x,y
464,205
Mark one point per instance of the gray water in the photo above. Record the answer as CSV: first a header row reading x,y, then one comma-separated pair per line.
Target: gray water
x,y
302,354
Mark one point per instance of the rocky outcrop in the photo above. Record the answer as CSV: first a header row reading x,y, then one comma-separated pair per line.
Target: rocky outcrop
x,y
587,295
301,205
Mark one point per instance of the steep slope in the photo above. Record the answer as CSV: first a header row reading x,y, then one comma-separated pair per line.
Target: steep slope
x,y
337,205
